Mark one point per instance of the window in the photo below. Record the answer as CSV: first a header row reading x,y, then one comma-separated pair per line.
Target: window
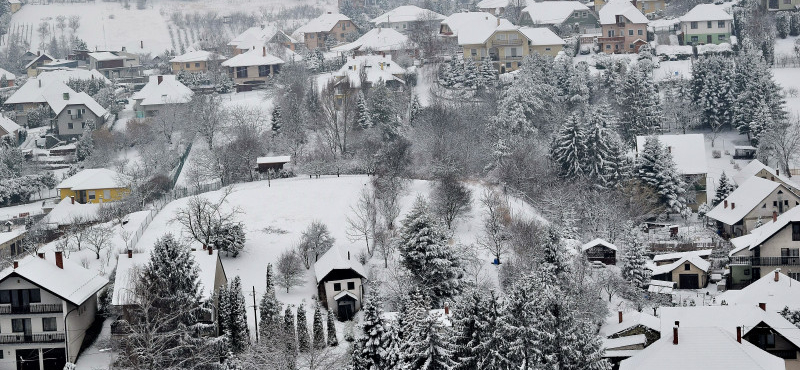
x,y
187,65
49,324
344,24
341,35
508,64
608,46
774,203
720,24
473,52
91,194
197,65
708,24
630,32
766,340
337,287
631,46
404,26
720,37
787,2
546,49
694,39
20,325
263,71
241,72
794,275
69,112
311,36
795,236
69,125
687,266
693,25
106,194
351,285
639,32
610,33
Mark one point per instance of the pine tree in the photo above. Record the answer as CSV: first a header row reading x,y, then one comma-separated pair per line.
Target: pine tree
x,y
381,112
487,75
642,114
724,188
634,261
332,339
236,329
319,331
414,109
229,237
656,169
470,73
269,308
713,90
289,331
426,343
376,340
754,87
425,253
277,120
303,340
569,148
479,344
362,113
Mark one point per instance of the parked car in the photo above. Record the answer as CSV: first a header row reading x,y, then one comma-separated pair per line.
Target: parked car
x,y
585,50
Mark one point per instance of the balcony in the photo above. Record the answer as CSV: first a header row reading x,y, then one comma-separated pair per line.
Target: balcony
x,y
765,261
514,42
611,39
75,116
7,309
512,58
32,338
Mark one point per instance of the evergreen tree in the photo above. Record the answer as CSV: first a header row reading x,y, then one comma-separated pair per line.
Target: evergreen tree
x,y
425,253
382,113
376,341
290,338
362,113
319,331
277,120
303,340
470,73
642,114
487,75
228,237
783,24
332,339
724,188
634,261
414,109
479,344
269,308
713,91
235,318
569,148
426,343
656,169
753,88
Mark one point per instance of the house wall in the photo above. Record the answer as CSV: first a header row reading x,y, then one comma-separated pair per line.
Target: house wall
x,y
79,124
252,74
650,6
77,322
718,34
201,66
5,248
338,32
692,270
115,194
772,203
330,292
780,4
617,37
584,19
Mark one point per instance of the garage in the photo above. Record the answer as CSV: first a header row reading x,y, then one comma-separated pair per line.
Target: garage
x,y
689,281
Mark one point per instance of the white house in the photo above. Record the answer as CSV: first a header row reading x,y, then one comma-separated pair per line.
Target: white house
x,y
706,24
754,201
372,70
756,168
9,128
254,67
408,18
160,92
340,283
380,40
775,289
46,305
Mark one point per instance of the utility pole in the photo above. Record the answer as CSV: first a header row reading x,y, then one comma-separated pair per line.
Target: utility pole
x,y
255,311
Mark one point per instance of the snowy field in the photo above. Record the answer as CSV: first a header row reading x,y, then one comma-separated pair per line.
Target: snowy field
x,y
789,78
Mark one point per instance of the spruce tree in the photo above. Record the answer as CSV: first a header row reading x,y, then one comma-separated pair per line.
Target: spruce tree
x,y
569,148
756,94
414,109
479,344
642,114
724,188
470,73
332,339
319,331
382,113
634,261
277,120
303,340
236,329
269,308
376,339
289,331
362,113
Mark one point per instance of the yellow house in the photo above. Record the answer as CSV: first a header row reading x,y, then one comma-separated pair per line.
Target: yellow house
x,y
195,61
14,5
689,272
97,185
506,45
40,60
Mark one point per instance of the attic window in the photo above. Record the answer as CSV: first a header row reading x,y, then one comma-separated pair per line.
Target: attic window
x,y
687,267
350,67
764,206
780,191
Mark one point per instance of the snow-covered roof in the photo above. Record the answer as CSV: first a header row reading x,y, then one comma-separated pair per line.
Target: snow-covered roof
x,y
9,76
541,36
197,56
629,320
407,13
480,32
760,234
41,56
702,349
169,91
688,151
323,23
597,242
727,318
493,4
678,255
379,69
614,8
333,260
102,56
128,270
7,125
465,22
661,287
253,37
552,12
706,12
754,167
775,294
379,39
95,178
629,340
56,94
275,159
73,283
744,199
66,74
254,57
9,235
693,259
66,213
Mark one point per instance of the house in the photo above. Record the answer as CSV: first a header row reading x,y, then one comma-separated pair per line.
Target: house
x,y
55,64
753,202
159,93
115,64
10,129
14,5
370,70
339,283
496,7
706,24
71,113
689,272
452,26
409,18
570,16
766,330
756,168
668,258
775,289
780,4
702,349
328,28
624,28
11,241
67,212
285,40
776,244
38,61
601,251
626,333
47,303
95,185
253,68
265,164
647,7
196,61
9,77
506,45
689,155
210,278
253,37
380,41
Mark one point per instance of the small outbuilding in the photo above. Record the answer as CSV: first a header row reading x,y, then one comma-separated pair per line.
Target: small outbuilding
x,y
339,283
601,251
266,164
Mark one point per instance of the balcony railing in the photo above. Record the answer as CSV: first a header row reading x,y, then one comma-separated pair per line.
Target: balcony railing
x,y
765,261
31,338
512,58
32,308
611,39
514,42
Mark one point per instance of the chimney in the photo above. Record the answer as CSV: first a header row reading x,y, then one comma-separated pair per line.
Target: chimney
x,y
59,260
38,53
72,199
348,255
726,204
675,335
141,44
762,306
204,247
210,251
40,254
123,49
498,22
774,216
130,253
733,205
446,309
264,51
619,313
739,334
777,275
16,264
160,79
677,323
40,83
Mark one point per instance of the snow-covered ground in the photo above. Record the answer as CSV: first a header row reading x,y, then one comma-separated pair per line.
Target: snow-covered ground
x,y
789,79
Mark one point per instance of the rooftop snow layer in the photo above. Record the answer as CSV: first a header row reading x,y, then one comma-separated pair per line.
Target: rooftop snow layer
x,y
760,234
95,178
53,92
695,260
480,32
630,340
552,12
101,56
541,36
378,69
754,167
688,151
67,213
743,200
598,241
629,320
323,23
276,159
407,13
775,294
379,39
197,56
706,12
333,260
678,255
7,125
254,57
614,8
9,76
493,4
253,36
169,91
466,21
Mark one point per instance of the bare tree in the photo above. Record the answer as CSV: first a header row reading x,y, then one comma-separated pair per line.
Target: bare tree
x,y
451,199
289,270
74,22
77,232
385,243
99,238
387,195
496,220
322,359
208,116
201,217
316,240
784,143
364,216
611,283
